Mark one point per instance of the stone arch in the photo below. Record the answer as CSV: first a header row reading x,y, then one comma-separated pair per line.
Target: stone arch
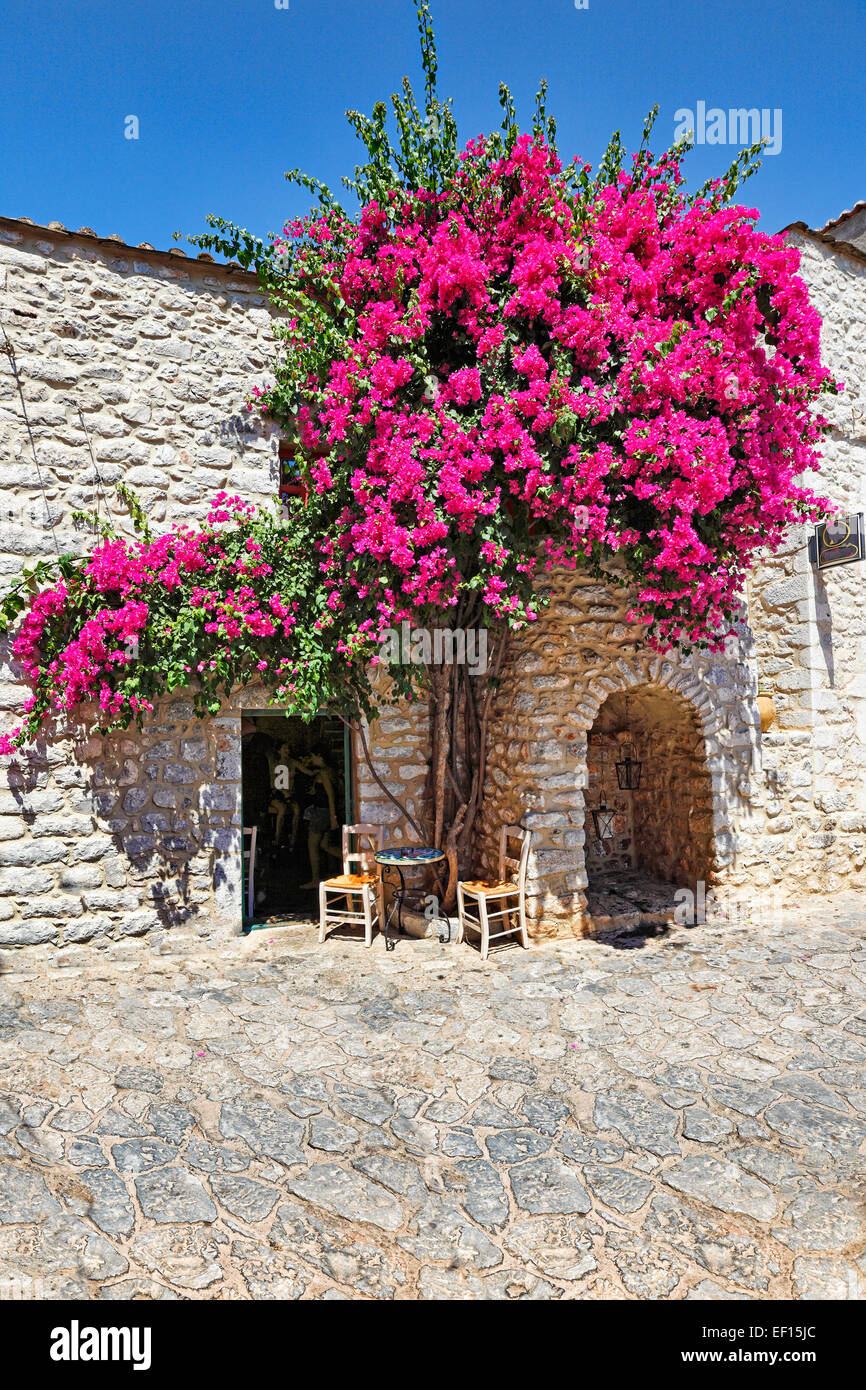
x,y
663,829
688,694
561,673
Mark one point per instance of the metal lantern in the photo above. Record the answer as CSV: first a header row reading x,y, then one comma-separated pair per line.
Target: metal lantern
x,y
628,770
628,773
602,821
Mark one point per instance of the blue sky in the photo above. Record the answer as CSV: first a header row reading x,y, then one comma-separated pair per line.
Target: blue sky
x,y
230,95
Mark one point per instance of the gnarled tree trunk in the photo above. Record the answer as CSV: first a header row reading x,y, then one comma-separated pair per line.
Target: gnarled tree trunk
x,y
460,707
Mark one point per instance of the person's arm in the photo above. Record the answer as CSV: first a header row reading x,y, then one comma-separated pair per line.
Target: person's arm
x,y
273,759
325,778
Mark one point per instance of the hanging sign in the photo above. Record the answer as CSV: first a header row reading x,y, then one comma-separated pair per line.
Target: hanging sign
x,y
839,541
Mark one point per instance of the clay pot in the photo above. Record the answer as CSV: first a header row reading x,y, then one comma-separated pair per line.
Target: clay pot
x,y
766,711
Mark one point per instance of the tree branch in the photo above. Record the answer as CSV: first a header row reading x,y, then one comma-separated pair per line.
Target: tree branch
x,y
407,815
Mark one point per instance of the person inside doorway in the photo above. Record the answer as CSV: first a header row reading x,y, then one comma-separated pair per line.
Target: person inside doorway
x,y
284,803
314,791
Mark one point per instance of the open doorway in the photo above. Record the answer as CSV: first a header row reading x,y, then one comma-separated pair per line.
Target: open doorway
x,y
660,838
297,795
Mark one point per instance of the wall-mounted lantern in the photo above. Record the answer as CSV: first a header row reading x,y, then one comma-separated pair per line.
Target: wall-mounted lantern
x,y
628,773
602,822
629,769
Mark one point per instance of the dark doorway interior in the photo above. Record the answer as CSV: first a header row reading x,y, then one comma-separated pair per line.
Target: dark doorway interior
x,y
297,794
662,832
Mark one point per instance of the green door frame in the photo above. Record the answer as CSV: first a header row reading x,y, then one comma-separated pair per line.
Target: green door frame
x,y
348,773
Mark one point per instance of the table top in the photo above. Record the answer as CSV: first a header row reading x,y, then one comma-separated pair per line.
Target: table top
x,y
409,854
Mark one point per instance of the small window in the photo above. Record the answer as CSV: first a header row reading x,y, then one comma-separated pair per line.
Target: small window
x,y
291,482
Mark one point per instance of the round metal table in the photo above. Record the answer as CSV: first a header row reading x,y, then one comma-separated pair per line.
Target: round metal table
x,y
399,858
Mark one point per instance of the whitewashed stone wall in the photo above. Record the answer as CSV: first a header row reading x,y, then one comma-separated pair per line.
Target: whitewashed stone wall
x,y
100,838
399,744
810,630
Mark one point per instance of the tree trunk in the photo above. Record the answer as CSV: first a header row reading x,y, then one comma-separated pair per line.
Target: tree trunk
x,y
440,700
460,707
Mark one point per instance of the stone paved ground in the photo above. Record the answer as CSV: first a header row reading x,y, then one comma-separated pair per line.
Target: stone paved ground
x,y
271,1119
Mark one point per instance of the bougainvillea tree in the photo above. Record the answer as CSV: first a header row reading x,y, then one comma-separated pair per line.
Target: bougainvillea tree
x,y
495,364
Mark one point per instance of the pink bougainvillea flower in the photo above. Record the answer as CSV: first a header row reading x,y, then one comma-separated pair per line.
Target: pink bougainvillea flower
x,y
516,370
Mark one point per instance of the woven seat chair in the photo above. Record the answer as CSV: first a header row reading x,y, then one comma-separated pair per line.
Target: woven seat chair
x,y
354,897
479,903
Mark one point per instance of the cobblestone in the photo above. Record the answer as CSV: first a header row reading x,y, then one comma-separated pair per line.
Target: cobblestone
x,y
271,1119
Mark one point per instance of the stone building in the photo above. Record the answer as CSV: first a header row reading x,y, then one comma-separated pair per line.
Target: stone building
x,y
133,364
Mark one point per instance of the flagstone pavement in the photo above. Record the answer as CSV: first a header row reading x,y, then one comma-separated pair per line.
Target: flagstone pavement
x,y
272,1119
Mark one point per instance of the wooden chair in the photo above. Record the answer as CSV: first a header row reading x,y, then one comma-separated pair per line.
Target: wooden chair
x,y
360,891
510,892
250,866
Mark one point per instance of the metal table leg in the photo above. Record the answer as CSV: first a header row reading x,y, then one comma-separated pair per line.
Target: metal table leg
x,y
396,909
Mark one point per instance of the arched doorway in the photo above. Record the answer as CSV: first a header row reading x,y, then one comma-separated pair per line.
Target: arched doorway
x,y
661,835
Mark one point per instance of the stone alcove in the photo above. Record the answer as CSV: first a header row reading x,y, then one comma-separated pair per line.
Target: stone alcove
x,y
663,831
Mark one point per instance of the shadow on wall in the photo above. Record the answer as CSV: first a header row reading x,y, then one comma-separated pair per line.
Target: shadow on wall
x,y
664,828
109,850
155,826
824,623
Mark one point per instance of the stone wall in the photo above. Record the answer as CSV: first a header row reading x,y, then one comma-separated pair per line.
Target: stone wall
x,y
117,836
399,744
697,731
611,854
810,631
100,838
